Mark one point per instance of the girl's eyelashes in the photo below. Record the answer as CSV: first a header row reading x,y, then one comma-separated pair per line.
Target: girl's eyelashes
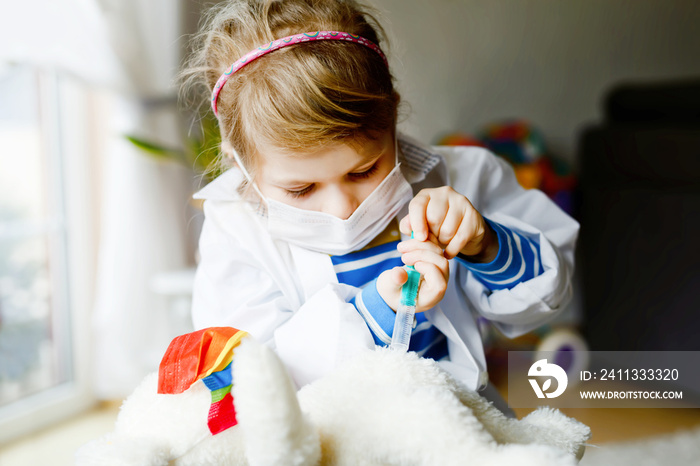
x,y
299,192
365,174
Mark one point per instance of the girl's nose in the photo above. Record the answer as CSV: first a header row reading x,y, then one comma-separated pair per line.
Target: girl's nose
x,y
340,202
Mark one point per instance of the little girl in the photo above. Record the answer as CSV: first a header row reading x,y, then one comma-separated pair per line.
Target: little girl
x,y
305,238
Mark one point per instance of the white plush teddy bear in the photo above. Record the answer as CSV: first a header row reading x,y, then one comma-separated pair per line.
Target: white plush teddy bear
x,y
381,408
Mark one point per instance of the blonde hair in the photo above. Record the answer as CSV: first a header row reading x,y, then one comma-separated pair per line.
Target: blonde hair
x,y
301,97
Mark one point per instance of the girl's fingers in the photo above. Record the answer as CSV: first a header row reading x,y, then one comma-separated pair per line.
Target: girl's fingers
x,y
429,260
389,285
451,223
405,226
424,256
416,216
436,211
433,277
413,245
433,287
462,236
398,276
392,280
439,211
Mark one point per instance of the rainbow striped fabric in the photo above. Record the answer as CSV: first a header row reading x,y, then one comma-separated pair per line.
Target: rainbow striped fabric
x,y
205,355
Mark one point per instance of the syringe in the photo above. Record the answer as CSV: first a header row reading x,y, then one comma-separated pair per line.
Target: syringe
x,y
403,324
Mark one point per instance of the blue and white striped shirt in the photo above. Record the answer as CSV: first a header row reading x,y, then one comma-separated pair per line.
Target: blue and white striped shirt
x,y
361,269
518,259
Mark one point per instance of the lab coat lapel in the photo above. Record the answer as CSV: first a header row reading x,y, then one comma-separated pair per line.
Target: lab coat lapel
x,y
315,270
457,324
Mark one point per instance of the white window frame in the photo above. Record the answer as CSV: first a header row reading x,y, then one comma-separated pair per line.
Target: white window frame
x,y
68,116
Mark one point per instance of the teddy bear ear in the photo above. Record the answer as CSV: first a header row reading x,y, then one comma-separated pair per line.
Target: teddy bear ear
x,y
267,409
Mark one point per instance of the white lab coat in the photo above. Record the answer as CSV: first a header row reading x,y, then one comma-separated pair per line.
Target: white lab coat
x,y
289,297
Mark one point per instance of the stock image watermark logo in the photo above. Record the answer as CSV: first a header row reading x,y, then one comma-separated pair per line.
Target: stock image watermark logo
x,y
604,379
552,371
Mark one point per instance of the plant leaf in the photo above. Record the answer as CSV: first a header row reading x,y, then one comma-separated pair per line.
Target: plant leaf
x,y
156,151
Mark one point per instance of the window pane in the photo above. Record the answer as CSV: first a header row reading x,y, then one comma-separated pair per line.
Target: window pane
x,y
33,315
26,353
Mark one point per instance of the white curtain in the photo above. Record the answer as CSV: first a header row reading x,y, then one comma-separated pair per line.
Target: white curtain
x,y
132,49
66,35
145,212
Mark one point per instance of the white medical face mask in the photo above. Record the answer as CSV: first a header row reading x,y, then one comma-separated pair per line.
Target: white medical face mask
x,y
322,232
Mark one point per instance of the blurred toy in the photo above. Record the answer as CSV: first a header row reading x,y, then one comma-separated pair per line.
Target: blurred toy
x,y
515,140
458,139
383,407
523,145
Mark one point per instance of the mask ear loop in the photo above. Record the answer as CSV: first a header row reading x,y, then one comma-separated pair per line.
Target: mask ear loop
x,y
396,150
249,178
397,160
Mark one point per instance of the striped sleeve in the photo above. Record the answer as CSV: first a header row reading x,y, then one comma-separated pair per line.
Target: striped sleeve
x,y
377,313
518,260
426,340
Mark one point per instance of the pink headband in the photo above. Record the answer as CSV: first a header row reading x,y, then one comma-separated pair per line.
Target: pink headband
x,y
284,42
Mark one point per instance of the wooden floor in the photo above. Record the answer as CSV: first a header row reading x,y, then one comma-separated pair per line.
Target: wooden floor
x,y
56,445
612,425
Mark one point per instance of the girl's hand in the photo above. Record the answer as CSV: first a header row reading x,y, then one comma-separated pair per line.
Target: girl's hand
x,y
428,259
457,226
